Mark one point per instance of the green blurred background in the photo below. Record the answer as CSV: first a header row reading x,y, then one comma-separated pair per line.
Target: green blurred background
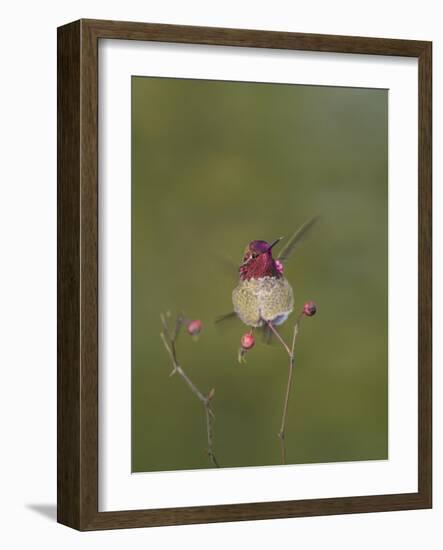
x,y
215,165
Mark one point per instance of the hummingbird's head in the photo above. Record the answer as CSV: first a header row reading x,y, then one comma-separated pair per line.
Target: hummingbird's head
x,y
258,261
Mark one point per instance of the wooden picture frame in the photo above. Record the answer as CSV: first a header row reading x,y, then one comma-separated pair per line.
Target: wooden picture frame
x,y
78,274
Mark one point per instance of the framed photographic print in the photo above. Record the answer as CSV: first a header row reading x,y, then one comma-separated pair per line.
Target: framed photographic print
x,y
244,274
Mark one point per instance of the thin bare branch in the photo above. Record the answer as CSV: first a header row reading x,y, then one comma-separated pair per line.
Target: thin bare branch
x,y
169,340
290,351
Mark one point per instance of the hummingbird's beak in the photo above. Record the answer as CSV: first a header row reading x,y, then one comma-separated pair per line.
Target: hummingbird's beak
x,y
274,243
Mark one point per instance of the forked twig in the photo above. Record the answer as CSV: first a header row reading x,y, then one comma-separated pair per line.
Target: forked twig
x,y
169,340
290,352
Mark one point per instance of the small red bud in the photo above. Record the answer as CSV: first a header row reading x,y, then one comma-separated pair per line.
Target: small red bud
x,y
194,327
309,309
247,341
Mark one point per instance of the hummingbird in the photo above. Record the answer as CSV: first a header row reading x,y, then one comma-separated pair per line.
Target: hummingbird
x,y
263,295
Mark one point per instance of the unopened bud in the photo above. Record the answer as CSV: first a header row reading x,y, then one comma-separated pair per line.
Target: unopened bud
x,y
194,327
309,309
247,341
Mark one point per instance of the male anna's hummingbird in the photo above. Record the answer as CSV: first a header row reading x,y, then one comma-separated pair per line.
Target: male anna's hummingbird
x,y
263,295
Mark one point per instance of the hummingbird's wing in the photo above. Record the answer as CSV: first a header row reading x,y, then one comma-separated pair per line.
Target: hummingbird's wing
x,y
225,317
288,249
227,266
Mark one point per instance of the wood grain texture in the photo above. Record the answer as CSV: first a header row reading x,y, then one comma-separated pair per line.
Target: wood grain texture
x,y
77,173
425,274
254,38
68,275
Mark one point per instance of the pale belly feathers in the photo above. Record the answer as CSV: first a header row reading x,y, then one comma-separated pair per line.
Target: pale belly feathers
x,y
257,301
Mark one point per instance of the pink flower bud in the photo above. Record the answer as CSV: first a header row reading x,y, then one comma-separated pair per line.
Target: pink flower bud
x,y
194,327
309,309
247,341
279,266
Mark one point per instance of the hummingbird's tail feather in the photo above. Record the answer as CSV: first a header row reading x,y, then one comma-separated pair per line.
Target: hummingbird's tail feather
x,y
301,232
267,336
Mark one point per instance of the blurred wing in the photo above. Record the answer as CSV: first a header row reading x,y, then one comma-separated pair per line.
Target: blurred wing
x,y
227,266
226,317
288,249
